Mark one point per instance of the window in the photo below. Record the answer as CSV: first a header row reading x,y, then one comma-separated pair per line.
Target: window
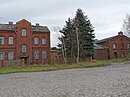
x,y
10,40
1,55
23,48
122,54
114,46
122,46
36,41
43,40
128,46
2,40
23,32
36,55
10,56
44,55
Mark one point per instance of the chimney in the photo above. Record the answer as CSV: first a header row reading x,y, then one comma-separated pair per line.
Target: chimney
x,y
10,23
120,33
37,24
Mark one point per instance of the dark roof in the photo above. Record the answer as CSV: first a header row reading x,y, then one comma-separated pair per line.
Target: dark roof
x,y
103,40
12,27
39,29
8,27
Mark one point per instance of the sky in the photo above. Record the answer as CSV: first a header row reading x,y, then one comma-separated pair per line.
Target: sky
x,y
105,15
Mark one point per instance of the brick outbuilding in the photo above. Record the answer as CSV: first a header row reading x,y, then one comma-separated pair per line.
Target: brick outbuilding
x,y
113,47
24,41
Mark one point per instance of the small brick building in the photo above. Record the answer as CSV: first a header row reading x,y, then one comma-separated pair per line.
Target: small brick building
x,y
113,47
24,41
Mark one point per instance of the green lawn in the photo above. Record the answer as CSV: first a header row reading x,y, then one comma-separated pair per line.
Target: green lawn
x,y
51,67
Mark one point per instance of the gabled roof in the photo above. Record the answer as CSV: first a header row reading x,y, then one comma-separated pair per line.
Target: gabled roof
x,y
103,40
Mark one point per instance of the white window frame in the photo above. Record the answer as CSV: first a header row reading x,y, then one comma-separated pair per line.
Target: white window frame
x,y
36,40
11,56
43,40
11,40
36,55
2,39
44,55
24,32
24,48
1,55
128,46
114,46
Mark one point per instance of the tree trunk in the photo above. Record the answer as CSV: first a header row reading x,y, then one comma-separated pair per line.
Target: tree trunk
x,y
77,37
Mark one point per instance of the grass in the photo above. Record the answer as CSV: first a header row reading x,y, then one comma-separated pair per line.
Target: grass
x,y
52,67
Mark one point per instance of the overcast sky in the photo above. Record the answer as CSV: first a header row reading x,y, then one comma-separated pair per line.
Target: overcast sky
x,y
105,15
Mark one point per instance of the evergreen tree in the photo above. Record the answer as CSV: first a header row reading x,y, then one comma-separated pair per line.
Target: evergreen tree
x,y
78,38
86,36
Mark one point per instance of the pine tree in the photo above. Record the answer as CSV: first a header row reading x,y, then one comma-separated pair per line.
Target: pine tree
x,y
78,38
86,36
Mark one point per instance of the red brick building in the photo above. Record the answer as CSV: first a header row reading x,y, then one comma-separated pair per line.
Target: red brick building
x,y
24,41
113,47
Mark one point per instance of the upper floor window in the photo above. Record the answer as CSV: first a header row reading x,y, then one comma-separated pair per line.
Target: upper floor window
x,y
128,46
114,46
10,56
36,40
36,55
2,40
10,40
1,55
43,40
23,48
122,46
44,55
23,32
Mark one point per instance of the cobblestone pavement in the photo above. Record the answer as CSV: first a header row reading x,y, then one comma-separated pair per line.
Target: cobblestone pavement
x,y
109,81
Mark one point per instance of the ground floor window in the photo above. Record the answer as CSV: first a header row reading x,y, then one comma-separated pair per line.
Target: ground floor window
x,y
123,55
10,56
36,55
44,55
1,55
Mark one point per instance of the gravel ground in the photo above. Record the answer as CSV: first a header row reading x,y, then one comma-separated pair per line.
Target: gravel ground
x,y
109,81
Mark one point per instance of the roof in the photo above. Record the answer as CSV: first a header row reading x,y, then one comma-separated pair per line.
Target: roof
x,y
8,27
97,46
39,29
13,27
103,40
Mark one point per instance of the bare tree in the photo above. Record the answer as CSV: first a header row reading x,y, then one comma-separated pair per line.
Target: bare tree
x,y
126,25
77,37
63,47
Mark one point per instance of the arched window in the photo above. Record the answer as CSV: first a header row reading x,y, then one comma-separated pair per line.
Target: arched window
x,y
44,55
43,40
114,46
128,46
115,55
122,46
10,40
23,32
1,55
123,55
10,56
36,40
23,48
36,55
2,40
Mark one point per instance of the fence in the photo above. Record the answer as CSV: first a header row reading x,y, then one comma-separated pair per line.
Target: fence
x,y
10,63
